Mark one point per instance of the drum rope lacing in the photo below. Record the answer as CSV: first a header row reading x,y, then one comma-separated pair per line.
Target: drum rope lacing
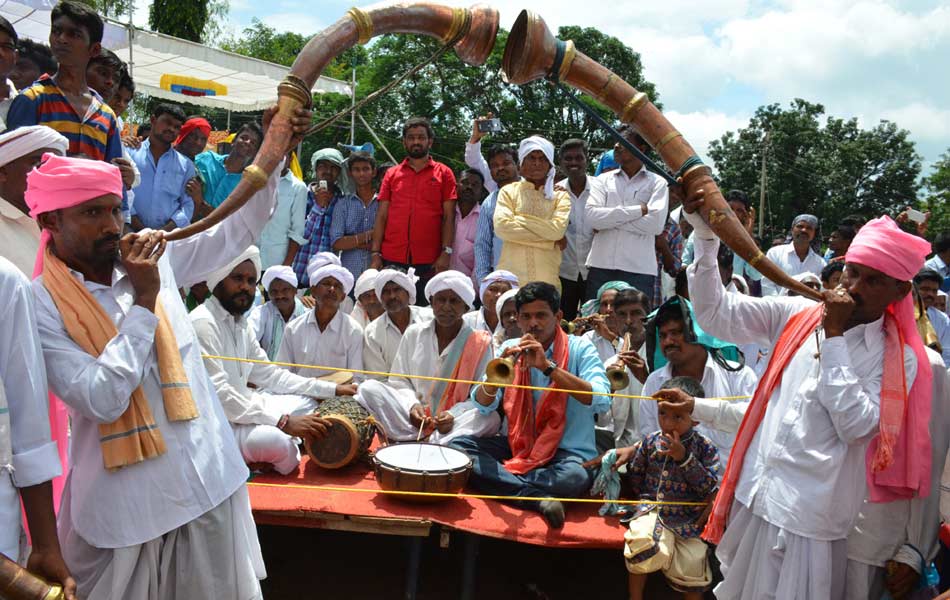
x,y
449,379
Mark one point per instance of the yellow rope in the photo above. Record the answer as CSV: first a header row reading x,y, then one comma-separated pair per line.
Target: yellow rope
x,y
446,379
333,488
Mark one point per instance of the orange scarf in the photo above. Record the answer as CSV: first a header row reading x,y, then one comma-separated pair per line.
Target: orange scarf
x,y
134,437
455,392
534,436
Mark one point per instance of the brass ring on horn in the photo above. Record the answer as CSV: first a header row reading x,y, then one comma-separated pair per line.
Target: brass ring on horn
x,y
756,259
461,21
666,139
364,24
633,107
569,53
255,176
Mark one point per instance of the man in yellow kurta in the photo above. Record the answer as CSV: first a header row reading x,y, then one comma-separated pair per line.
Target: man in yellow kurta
x,y
531,217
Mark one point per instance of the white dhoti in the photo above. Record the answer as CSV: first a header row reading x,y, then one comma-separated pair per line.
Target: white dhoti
x,y
266,443
217,555
762,561
390,406
863,581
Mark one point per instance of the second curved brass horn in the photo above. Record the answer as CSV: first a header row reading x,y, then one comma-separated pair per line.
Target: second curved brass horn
x,y
500,371
532,52
617,373
473,31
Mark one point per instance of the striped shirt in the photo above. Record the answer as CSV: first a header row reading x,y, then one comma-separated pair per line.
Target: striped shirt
x,y
351,216
96,134
317,231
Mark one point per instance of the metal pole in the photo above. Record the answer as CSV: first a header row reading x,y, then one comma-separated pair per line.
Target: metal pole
x,y
229,119
352,105
376,138
762,181
131,31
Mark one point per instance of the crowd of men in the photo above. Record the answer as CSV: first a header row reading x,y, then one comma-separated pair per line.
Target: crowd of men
x,y
782,447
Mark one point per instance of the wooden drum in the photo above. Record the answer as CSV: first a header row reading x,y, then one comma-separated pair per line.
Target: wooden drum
x,y
421,467
349,437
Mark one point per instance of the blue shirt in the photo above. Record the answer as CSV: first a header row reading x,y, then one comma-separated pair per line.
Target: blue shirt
x,y
218,183
487,244
936,263
351,216
161,195
584,362
941,322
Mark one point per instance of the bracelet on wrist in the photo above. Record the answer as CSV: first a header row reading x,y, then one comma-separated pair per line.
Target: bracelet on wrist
x,y
282,422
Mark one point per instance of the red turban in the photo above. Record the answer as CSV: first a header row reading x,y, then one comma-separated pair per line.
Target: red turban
x,y
190,125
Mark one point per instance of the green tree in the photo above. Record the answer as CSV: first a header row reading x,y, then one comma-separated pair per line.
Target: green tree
x,y
114,9
937,199
263,42
184,19
832,168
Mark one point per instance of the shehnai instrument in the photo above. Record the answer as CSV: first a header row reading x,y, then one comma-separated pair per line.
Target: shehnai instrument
x,y
500,371
617,373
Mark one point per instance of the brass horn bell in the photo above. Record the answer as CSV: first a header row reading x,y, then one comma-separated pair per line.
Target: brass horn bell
x,y
501,370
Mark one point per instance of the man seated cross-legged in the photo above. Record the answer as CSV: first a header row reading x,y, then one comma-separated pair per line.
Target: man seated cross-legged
x,y
410,409
269,419
548,435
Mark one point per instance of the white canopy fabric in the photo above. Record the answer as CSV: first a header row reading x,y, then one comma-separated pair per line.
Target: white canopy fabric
x,y
251,83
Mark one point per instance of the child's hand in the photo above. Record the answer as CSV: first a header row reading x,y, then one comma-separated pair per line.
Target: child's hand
x,y
670,446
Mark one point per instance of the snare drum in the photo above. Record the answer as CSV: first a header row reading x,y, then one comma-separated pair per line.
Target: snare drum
x,y
349,436
421,467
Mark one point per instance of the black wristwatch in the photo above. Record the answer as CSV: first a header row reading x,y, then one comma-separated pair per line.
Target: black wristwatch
x,y
551,366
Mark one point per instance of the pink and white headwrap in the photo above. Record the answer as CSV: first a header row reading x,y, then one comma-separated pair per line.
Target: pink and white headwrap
x,y
898,459
63,182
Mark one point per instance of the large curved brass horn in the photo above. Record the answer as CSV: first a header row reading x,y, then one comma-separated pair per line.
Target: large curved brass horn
x,y
474,29
532,52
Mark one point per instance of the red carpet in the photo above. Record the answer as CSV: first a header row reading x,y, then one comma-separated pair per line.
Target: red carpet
x,y
584,527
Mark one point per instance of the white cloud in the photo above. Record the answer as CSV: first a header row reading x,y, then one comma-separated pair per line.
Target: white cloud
x,y
296,22
702,127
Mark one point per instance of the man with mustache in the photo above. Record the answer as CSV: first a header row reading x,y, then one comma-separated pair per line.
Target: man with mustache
x,y
381,338
549,435
220,173
531,216
268,320
677,347
573,273
156,472
797,257
415,219
845,373
326,335
269,418
502,167
409,408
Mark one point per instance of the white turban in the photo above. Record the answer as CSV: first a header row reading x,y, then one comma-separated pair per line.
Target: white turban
x,y
281,272
252,254
366,283
460,283
509,295
20,142
499,275
406,281
327,264
805,277
536,142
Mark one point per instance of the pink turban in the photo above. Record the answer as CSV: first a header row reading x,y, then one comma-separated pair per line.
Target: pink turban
x,y
63,182
898,459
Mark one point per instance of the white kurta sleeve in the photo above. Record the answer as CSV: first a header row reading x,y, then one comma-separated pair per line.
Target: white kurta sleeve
x,y
194,258
373,359
718,311
240,405
23,377
278,380
475,160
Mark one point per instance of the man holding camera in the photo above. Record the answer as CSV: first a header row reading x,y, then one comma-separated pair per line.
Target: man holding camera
x,y
322,197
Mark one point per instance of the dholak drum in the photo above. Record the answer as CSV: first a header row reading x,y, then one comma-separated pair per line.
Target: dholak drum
x,y
349,436
421,467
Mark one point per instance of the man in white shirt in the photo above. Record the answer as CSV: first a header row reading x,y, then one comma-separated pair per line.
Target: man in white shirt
x,y
797,257
805,443
28,456
325,336
626,212
20,151
410,409
928,284
123,529
367,307
397,292
689,352
574,162
268,419
267,321
286,223
490,289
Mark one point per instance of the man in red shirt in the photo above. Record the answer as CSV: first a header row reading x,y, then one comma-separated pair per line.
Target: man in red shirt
x,y
415,221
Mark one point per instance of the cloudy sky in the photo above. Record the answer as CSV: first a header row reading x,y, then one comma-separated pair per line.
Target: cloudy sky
x,y
716,61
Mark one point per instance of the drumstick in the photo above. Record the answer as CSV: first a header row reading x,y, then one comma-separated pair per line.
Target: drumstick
x,y
421,425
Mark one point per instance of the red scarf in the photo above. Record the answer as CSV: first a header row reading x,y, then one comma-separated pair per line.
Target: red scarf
x,y
455,392
796,331
534,437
